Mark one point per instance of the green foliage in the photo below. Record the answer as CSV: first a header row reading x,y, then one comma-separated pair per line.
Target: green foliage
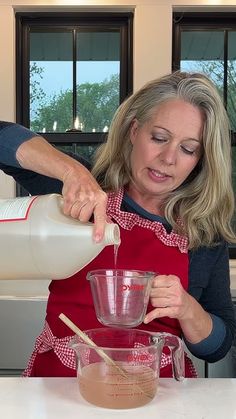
x,y
59,108
96,104
36,92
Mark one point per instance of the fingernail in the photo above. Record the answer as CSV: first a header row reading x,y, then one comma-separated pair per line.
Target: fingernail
x,y
97,238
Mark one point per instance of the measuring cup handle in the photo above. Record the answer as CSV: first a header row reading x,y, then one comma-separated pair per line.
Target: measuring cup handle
x,y
175,345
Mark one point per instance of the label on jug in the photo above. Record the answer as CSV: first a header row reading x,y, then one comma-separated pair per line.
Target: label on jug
x,y
15,209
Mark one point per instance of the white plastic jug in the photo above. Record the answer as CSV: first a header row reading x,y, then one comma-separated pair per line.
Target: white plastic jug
x,y
38,241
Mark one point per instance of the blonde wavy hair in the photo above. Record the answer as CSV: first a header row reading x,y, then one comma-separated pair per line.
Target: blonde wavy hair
x,y
205,201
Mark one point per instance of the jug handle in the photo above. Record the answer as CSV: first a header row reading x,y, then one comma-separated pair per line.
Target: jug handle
x,y
175,344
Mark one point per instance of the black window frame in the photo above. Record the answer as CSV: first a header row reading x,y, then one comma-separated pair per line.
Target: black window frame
x,y
97,20
203,21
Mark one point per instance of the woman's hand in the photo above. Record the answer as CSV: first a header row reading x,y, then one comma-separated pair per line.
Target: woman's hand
x,y
83,197
169,298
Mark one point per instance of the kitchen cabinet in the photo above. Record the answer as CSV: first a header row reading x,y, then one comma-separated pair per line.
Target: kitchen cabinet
x,y
21,322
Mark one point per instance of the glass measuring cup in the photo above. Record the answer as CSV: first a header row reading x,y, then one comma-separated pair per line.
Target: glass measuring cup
x,y
120,296
123,371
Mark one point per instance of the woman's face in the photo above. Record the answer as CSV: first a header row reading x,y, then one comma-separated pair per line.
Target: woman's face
x,y
165,150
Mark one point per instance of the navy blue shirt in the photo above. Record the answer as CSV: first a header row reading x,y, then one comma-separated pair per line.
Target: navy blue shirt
x,y
209,280
11,136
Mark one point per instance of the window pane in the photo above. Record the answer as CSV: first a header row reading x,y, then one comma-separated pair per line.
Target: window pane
x,y
51,80
98,79
203,51
51,64
85,151
231,82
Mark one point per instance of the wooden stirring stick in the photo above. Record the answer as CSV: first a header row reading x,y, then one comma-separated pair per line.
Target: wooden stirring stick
x,y
102,354
90,342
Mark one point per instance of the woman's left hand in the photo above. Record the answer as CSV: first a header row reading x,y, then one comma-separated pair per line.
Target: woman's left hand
x,y
169,298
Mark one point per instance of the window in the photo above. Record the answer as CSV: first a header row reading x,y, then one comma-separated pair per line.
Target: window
x,y
73,70
206,42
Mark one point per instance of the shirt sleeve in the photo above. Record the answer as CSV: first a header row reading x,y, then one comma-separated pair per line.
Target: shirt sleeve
x,y
212,343
209,284
11,137
37,184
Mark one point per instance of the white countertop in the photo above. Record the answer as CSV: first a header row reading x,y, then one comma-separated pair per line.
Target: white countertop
x,y
59,398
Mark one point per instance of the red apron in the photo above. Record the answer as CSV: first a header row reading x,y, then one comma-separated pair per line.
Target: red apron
x,y
145,245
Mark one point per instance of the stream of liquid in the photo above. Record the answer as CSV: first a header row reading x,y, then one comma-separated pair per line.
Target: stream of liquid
x,y
102,385
116,248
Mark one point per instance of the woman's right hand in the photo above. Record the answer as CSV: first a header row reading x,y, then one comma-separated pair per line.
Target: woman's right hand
x,y
83,197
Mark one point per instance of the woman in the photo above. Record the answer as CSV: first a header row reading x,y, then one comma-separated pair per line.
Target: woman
x,y
166,170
